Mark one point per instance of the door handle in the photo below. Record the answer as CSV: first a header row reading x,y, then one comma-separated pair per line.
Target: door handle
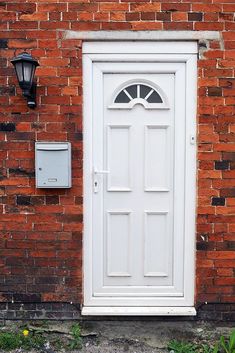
x,y
96,179
101,171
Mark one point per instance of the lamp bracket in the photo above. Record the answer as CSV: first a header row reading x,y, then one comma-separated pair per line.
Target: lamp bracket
x,y
30,95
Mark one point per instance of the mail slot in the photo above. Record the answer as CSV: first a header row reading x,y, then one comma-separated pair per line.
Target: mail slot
x,y
53,164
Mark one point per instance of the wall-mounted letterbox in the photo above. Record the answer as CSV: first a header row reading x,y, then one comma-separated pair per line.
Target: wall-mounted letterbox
x,y
53,164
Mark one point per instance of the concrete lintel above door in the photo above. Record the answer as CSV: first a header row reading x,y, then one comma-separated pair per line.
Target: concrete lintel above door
x,y
143,35
138,311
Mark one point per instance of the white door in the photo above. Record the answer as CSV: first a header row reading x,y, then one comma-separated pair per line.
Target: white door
x,y
139,156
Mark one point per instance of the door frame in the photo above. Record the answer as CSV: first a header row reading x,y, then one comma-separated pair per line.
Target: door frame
x,y
173,52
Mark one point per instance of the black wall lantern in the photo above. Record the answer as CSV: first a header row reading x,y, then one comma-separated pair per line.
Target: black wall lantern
x,y
25,67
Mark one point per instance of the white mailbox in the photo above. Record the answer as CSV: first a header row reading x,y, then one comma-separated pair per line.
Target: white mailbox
x,y
53,164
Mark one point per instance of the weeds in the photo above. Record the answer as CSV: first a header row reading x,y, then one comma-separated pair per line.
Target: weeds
x,y
223,346
228,346
181,347
11,340
26,339
76,341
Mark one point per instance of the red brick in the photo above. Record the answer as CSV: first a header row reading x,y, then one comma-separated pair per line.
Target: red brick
x,y
21,7
178,25
20,43
149,16
222,272
101,16
175,7
209,17
230,54
145,7
58,7
34,17
179,16
54,25
132,16
85,26
209,26
54,62
229,7
82,6
207,7
43,239
85,16
21,25
204,263
7,16
220,255
224,281
46,43
229,26
146,25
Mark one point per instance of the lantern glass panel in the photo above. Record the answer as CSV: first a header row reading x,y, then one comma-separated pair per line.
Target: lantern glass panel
x,y
19,71
28,71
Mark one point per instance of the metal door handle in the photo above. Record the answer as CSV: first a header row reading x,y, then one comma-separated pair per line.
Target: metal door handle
x,y
96,178
101,171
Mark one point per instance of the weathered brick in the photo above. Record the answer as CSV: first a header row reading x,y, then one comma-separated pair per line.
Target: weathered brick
x,y
228,192
52,200
9,91
163,16
214,91
3,43
23,200
230,156
218,201
221,165
7,127
175,7
195,16
132,16
149,16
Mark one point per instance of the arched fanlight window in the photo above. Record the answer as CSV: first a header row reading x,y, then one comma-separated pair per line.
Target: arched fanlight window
x,y
138,93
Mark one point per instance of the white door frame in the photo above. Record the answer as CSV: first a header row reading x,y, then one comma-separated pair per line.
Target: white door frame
x,y
185,52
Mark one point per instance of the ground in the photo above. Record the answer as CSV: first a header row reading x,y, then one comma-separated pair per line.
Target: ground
x,y
132,336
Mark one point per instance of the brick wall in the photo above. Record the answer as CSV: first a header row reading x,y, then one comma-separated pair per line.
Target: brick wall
x,y
41,230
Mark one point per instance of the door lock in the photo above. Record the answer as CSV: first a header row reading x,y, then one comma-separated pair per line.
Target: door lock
x,y
101,171
96,172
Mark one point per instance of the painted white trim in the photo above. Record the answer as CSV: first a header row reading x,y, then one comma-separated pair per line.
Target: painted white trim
x,y
148,47
91,62
87,173
138,311
139,57
142,35
190,172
